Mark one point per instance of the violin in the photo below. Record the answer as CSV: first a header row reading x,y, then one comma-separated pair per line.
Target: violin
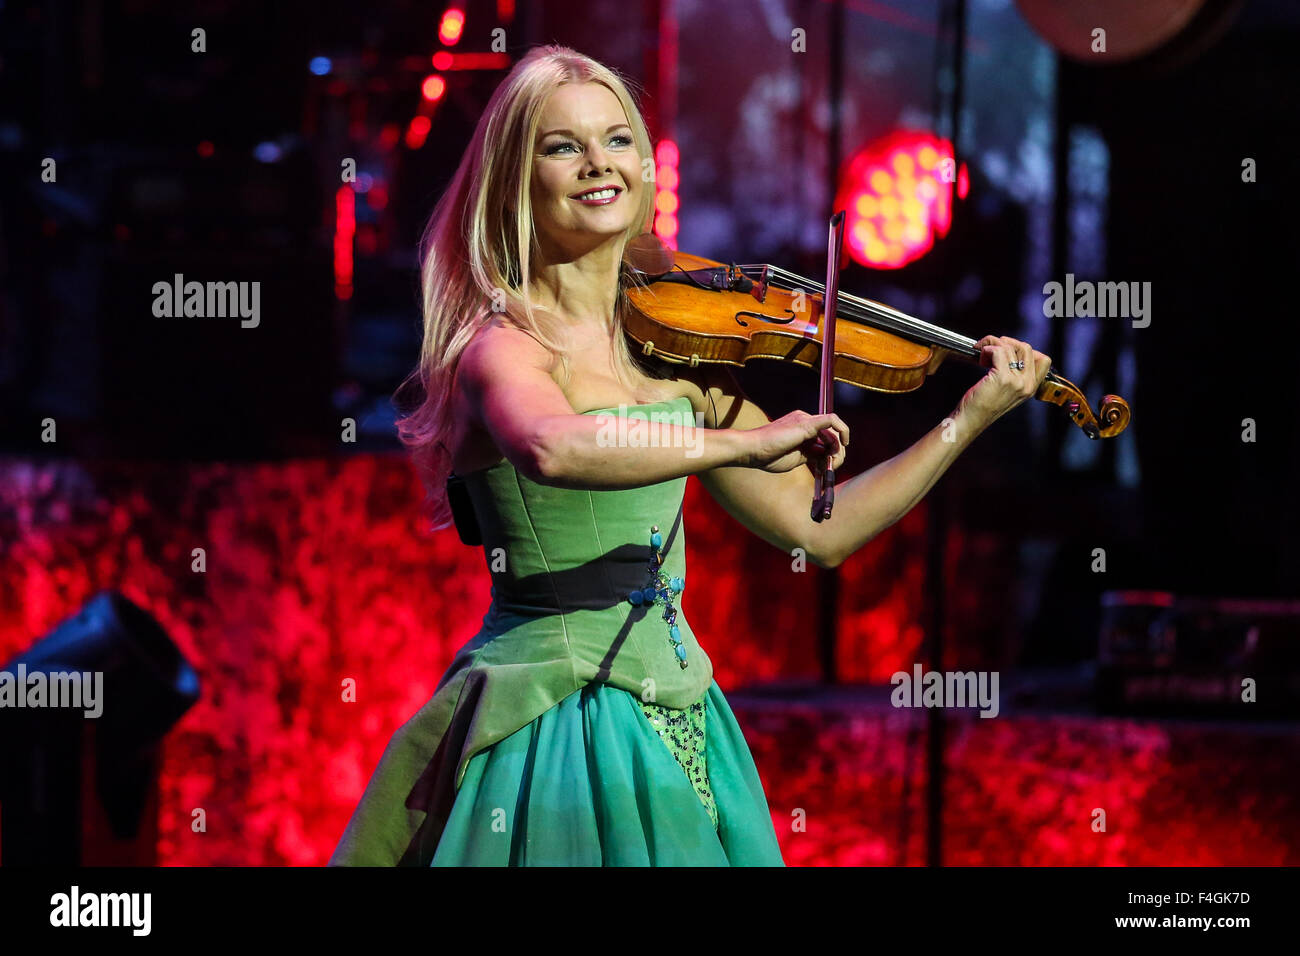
x,y
688,310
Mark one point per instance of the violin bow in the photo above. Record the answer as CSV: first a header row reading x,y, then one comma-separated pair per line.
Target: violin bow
x,y
824,489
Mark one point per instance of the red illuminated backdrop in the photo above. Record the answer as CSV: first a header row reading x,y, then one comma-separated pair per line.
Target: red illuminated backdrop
x,y
316,574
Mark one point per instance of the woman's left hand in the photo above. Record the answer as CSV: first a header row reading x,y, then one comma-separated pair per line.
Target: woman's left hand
x,y
1004,387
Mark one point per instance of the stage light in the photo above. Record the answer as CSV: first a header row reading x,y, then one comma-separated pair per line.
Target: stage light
x,y
898,194
453,23
80,788
444,61
205,148
345,227
433,87
417,131
320,65
267,152
666,200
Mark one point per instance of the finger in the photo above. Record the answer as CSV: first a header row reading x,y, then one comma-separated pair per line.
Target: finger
x,y
1009,350
1043,366
1031,366
832,424
843,429
1000,344
985,352
1000,361
1015,353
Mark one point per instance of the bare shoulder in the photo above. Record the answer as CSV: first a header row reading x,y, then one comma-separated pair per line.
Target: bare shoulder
x,y
499,341
497,350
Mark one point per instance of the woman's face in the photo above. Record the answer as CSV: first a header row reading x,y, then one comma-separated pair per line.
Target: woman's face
x,y
584,142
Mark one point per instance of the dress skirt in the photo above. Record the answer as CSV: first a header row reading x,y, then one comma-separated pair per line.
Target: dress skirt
x,y
594,782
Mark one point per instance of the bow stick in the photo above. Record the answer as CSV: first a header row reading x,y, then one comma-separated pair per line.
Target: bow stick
x,y
824,494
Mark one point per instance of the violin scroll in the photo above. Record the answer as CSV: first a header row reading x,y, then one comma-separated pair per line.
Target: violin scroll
x,y
1114,411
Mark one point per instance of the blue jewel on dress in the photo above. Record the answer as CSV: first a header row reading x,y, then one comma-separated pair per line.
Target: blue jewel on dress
x,y
659,590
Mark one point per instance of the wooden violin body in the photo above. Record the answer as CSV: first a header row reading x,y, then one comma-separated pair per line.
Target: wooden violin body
x,y
689,310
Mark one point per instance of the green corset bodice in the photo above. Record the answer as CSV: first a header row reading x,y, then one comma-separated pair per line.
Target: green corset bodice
x,y
563,563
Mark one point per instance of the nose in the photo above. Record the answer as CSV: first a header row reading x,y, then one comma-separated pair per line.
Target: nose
x,y
597,161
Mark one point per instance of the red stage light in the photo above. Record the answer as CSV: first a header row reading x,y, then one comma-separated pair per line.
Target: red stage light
x,y
666,153
453,22
417,131
442,60
666,226
206,148
433,87
897,195
345,227
666,201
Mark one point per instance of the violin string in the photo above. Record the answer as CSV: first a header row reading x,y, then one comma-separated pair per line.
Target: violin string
x,y
901,321
889,317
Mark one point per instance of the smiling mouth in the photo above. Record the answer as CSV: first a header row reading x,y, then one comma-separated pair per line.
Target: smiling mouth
x,y
603,195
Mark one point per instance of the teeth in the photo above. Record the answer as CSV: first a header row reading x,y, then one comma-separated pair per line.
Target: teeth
x,y
602,194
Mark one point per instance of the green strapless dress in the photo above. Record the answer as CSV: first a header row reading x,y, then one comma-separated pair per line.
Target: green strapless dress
x,y
566,732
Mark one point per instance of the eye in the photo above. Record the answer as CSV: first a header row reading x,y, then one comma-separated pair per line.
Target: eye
x,y
622,138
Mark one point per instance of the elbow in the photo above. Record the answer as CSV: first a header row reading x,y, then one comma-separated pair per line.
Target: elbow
x,y
819,557
826,562
538,461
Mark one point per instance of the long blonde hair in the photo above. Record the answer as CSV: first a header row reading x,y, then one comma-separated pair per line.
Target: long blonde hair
x,y
476,251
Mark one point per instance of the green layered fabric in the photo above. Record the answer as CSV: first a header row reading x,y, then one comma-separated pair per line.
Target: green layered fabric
x,y
556,674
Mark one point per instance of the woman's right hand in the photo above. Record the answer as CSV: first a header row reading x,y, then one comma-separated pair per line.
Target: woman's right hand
x,y
798,439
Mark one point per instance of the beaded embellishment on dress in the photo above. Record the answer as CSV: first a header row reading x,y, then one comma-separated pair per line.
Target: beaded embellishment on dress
x,y
683,732
659,591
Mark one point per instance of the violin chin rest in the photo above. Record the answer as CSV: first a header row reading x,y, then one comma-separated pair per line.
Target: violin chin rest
x,y
648,255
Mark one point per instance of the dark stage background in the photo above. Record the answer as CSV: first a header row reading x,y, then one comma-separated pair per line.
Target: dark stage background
x,y
127,440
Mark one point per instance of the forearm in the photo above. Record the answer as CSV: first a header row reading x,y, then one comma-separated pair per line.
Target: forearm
x,y
868,503
599,452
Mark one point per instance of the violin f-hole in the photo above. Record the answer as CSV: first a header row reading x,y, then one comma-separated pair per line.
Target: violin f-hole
x,y
766,318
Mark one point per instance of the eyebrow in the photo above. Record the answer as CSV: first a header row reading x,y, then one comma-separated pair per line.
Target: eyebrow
x,y
572,133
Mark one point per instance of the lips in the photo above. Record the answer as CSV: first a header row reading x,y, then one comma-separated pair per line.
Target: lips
x,y
595,191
